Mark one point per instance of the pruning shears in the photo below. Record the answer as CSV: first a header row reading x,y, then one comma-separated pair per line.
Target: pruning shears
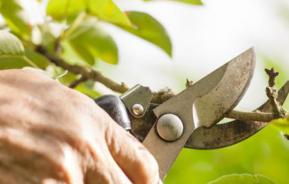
x,y
189,119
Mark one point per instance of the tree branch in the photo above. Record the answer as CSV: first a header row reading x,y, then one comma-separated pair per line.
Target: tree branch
x,y
251,116
77,82
162,95
272,94
83,71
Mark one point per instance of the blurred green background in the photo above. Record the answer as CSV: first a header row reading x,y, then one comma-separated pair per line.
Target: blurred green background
x,y
265,153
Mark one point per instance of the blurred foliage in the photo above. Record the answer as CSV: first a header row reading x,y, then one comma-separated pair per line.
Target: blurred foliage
x,y
89,42
282,125
146,27
10,45
195,2
103,9
15,17
265,153
242,178
81,39
84,42
192,2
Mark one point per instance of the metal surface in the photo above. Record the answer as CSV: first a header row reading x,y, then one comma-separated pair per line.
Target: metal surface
x,y
220,135
137,95
226,134
141,126
169,127
202,104
138,110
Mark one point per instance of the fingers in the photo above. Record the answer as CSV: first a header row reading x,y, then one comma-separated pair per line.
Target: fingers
x,y
40,157
132,157
103,169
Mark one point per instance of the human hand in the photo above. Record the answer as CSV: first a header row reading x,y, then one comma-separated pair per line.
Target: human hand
x,y
51,134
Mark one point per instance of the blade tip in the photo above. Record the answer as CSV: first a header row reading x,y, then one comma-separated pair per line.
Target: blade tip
x,y
251,51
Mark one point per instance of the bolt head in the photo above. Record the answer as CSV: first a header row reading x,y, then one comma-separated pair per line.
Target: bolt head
x,y
137,109
170,127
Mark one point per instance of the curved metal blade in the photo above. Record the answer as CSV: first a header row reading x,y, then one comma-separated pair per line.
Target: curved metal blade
x,y
214,95
210,108
202,104
223,135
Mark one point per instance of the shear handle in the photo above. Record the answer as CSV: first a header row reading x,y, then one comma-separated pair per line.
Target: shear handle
x,y
116,109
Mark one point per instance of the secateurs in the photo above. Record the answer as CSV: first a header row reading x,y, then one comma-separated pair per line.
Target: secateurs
x,y
189,119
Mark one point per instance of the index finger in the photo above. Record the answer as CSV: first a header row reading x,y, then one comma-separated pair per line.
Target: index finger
x,y
132,157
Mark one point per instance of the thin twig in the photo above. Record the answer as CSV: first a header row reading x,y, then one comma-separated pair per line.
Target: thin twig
x,y
189,83
77,82
272,94
162,95
83,71
251,116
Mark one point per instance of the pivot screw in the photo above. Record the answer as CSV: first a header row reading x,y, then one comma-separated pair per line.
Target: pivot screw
x,y
170,127
137,110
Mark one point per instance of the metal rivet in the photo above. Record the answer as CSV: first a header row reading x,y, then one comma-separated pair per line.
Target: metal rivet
x,y
170,127
138,109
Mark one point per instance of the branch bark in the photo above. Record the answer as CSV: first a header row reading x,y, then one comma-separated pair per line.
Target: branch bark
x,y
272,94
251,116
163,95
83,71
77,82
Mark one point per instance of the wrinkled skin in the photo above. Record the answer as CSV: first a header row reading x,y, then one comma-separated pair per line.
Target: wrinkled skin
x,y
51,134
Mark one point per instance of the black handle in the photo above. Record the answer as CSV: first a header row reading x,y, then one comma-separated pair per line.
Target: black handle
x,y
116,109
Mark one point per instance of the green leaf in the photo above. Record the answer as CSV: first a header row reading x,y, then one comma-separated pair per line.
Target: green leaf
x,y
64,79
10,45
47,38
90,43
103,9
281,124
15,17
192,2
148,28
62,9
76,55
39,60
12,63
85,89
108,11
12,52
242,179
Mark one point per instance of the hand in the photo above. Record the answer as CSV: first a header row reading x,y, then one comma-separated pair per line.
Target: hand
x,y
51,134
